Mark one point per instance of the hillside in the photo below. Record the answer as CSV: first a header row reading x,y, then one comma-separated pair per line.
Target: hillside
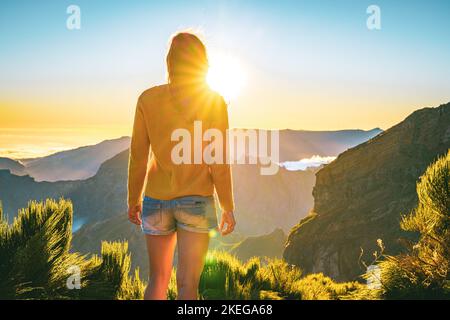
x,y
77,164
279,201
94,199
16,191
269,245
358,198
274,201
16,167
299,144
103,195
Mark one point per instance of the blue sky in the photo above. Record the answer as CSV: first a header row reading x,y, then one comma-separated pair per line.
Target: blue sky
x,y
311,64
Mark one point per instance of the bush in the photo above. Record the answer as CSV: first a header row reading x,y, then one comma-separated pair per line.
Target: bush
x,y
423,272
319,287
37,264
225,277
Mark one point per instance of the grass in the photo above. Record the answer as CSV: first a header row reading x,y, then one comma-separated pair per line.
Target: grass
x,y
36,262
225,277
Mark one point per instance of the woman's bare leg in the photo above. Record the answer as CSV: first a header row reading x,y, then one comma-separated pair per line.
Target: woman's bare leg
x,y
160,255
192,249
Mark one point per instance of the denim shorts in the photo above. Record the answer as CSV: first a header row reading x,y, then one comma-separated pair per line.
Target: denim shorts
x,y
191,213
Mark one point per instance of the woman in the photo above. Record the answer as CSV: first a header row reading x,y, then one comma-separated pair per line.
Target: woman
x,y
177,203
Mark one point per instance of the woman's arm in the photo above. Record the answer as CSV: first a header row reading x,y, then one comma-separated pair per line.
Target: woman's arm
x,y
137,166
221,174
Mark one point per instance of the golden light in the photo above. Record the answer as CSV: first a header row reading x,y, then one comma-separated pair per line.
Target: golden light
x,y
226,75
213,233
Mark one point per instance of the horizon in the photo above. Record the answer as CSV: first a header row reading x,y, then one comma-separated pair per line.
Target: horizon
x,y
20,152
307,66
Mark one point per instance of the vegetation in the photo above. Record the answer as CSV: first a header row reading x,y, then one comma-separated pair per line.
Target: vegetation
x,y
225,277
423,272
37,264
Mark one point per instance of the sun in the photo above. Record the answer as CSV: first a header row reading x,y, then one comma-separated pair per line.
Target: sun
x,y
226,75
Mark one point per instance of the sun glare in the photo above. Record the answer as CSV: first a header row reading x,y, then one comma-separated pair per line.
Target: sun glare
x,y
226,75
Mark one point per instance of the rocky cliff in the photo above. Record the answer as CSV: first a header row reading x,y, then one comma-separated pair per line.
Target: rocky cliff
x,y
359,197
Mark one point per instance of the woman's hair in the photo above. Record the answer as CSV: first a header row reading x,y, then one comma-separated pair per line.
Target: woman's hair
x,y
187,61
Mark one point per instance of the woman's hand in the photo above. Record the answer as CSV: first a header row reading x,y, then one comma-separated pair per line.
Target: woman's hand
x,y
134,214
228,220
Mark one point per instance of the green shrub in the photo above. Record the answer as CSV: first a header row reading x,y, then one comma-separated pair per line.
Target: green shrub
x,y
36,262
319,287
423,272
225,277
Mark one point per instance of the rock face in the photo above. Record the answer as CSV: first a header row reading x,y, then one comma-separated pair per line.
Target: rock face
x,y
359,197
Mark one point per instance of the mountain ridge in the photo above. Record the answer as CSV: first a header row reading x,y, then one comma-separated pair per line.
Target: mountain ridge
x,y
14,166
83,162
75,164
360,196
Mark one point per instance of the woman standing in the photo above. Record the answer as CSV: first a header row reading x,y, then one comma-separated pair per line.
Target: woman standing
x,y
174,202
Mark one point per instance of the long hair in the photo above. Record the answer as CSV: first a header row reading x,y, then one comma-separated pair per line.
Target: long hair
x,y
187,60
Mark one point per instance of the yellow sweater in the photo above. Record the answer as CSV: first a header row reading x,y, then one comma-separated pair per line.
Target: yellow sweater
x,y
157,116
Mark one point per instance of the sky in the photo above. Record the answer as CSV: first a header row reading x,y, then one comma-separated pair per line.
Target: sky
x,y
310,65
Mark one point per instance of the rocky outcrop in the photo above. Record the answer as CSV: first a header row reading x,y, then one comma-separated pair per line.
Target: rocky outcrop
x,y
359,197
